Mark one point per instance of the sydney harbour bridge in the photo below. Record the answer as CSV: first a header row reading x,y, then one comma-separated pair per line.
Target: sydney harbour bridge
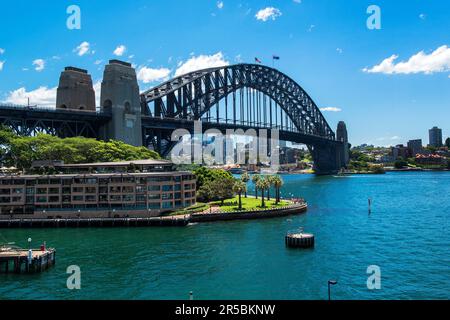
x,y
242,96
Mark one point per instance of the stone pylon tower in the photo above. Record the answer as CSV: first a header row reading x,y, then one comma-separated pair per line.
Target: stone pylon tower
x,y
120,97
342,136
75,90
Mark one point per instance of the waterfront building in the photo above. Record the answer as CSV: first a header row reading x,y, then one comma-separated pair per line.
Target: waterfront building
x,y
431,160
415,147
400,151
435,137
97,190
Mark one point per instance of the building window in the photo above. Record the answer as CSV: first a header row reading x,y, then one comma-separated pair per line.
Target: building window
x,y
154,188
167,188
127,189
91,198
41,191
154,196
154,205
114,189
140,198
115,198
41,199
53,199
78,198
90,190
167,205
140,189
128,198
77,190
167,196
53,190
18,191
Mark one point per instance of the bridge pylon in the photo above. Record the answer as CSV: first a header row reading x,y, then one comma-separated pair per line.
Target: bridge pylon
x,y
120,97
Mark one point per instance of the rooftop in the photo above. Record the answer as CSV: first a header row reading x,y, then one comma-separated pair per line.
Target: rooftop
x,y
123,63
120,164
75,69
61,164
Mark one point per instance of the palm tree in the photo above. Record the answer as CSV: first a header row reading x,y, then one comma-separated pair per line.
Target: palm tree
x,y
278,183
239,187
263,184
245,179
255,179
271,183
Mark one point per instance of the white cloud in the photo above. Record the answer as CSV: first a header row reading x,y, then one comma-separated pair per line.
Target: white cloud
x,y
201,62
311,28
339,50
2,51
120,50
2,63
331,109
97,62
220,4
393,138
422,16
148,75
82,49
39,65
98,90
42,96
297,1
436,61
268,13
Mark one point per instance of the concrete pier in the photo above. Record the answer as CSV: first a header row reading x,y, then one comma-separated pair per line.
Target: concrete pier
x,y
300,240
20,261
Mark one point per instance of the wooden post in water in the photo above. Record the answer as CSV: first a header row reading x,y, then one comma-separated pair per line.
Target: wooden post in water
x,y
370,205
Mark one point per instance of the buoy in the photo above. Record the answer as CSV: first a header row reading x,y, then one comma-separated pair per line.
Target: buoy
x,y
300,240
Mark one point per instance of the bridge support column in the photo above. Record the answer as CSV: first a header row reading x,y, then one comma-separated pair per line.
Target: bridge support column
x,y
120,96
327,158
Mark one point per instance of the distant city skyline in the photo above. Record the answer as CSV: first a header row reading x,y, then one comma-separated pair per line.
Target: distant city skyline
x,y
389,86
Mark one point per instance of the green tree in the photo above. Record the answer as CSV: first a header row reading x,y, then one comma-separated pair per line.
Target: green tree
x,y
255,179
278,184
204,175
240,187
262,185
447,142
21,151
222,188
245,178
400,164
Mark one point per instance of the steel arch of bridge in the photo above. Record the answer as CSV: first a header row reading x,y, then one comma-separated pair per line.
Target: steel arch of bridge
x,y
191,96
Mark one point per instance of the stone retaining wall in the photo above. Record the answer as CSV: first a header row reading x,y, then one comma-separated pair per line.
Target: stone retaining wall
x,y
249,215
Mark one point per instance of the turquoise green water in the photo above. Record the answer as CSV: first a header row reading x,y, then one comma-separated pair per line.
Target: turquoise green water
x,y
407,236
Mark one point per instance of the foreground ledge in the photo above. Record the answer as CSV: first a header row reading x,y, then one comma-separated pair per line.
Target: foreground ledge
x,y
250,215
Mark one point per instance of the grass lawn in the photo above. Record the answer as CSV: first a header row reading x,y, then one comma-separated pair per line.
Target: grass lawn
x,y
198,207
248,204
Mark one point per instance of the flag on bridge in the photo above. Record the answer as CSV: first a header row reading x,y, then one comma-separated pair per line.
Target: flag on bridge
x,y
257,60
275,57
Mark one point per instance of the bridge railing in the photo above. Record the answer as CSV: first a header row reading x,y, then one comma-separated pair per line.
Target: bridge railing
x,y
49,109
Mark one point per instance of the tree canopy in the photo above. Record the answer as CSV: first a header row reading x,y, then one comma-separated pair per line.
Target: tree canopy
x,y
205,175
20,151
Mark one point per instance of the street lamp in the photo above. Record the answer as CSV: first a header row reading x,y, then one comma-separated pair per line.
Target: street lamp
x,y
331,283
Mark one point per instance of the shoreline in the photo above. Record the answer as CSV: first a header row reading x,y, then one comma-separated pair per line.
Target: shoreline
x,y
170,221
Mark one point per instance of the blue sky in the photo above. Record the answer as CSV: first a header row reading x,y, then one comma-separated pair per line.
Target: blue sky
x,y
324,45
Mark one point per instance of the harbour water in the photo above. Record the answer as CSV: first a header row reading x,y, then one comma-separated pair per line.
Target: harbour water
x,y
407,235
